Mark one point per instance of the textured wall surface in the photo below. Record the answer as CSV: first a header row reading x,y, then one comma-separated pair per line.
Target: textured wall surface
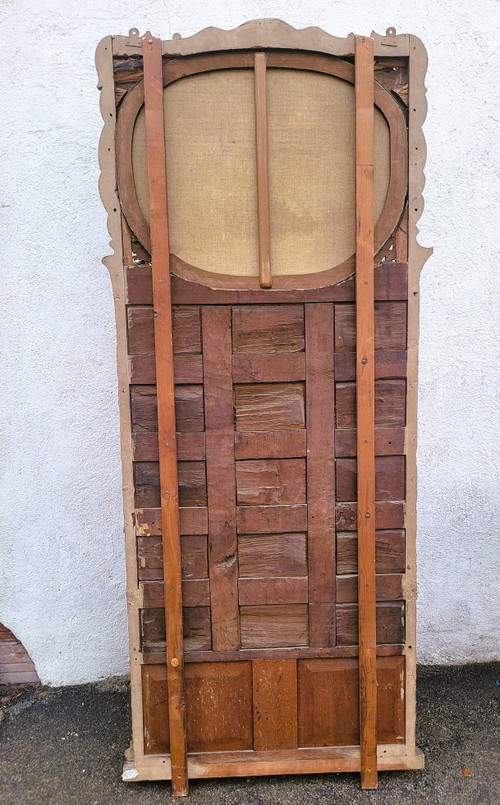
x,y
62,587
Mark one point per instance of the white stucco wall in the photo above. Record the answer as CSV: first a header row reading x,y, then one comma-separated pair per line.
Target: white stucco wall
x,y
62,566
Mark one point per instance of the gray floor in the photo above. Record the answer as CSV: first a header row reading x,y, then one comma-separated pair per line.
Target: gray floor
x,y
65,746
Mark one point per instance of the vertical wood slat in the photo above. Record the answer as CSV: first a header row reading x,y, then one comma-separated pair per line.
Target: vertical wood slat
x,y
221,484
365,393
157,189
320,402
264,227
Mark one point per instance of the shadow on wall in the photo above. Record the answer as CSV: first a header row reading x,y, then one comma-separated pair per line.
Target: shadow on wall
x,y
16,665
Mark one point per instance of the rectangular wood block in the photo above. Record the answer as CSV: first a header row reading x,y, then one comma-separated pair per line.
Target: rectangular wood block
x,y
390,623
193,558
218,706
268,328
390,404
274,626
390,326
389,478
388,364
329,701
271,481
388,442
273,591
270,444
155,709
389,551
280,368
269,406
271,519
268,555
274,704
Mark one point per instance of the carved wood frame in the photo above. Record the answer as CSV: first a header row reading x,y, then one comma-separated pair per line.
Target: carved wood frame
x,y
265,34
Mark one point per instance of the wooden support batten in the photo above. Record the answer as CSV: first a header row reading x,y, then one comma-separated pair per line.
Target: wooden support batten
x,y
365,395
157,188
263,205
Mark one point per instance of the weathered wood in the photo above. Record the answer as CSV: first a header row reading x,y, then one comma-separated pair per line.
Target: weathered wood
x,y
388,364
271,519
271,481
320,401
196,630
390,396
189,414
216,325
322,624
195,593
192,521
155,707
272,555
389,478
389,552
274,685
388,514
269,406
280,368
390,623
262,157
389,587
253,592
157,193
365,415
270,626
388,442
390,326
270,444
194,561
219,706
268,328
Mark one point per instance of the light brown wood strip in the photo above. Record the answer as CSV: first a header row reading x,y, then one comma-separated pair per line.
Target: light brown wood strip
x,y
280,368
274,685
223,563
155,709
265,275
157,193
270,444
253,592
320,402
365,398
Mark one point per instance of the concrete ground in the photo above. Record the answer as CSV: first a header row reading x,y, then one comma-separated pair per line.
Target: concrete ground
x,y
65,747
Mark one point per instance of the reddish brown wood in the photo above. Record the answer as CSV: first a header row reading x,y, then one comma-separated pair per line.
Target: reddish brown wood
x,y
273,591
155,709
365,396
320,400
269,406
270,444
192,521
157,192
219,706
271,626
271,519
389,552
196,630
388,364
271,481
389,478
390,326
388,514
195,593
274,704
388,441
265,275
272,555
390,623
390,404
194,561
216,324
389,587
328,702
268,368
268,328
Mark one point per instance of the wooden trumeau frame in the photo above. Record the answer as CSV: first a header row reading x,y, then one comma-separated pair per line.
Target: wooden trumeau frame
x,y
327,298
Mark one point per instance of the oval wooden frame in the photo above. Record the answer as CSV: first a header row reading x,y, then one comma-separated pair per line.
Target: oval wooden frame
x,y
175,69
